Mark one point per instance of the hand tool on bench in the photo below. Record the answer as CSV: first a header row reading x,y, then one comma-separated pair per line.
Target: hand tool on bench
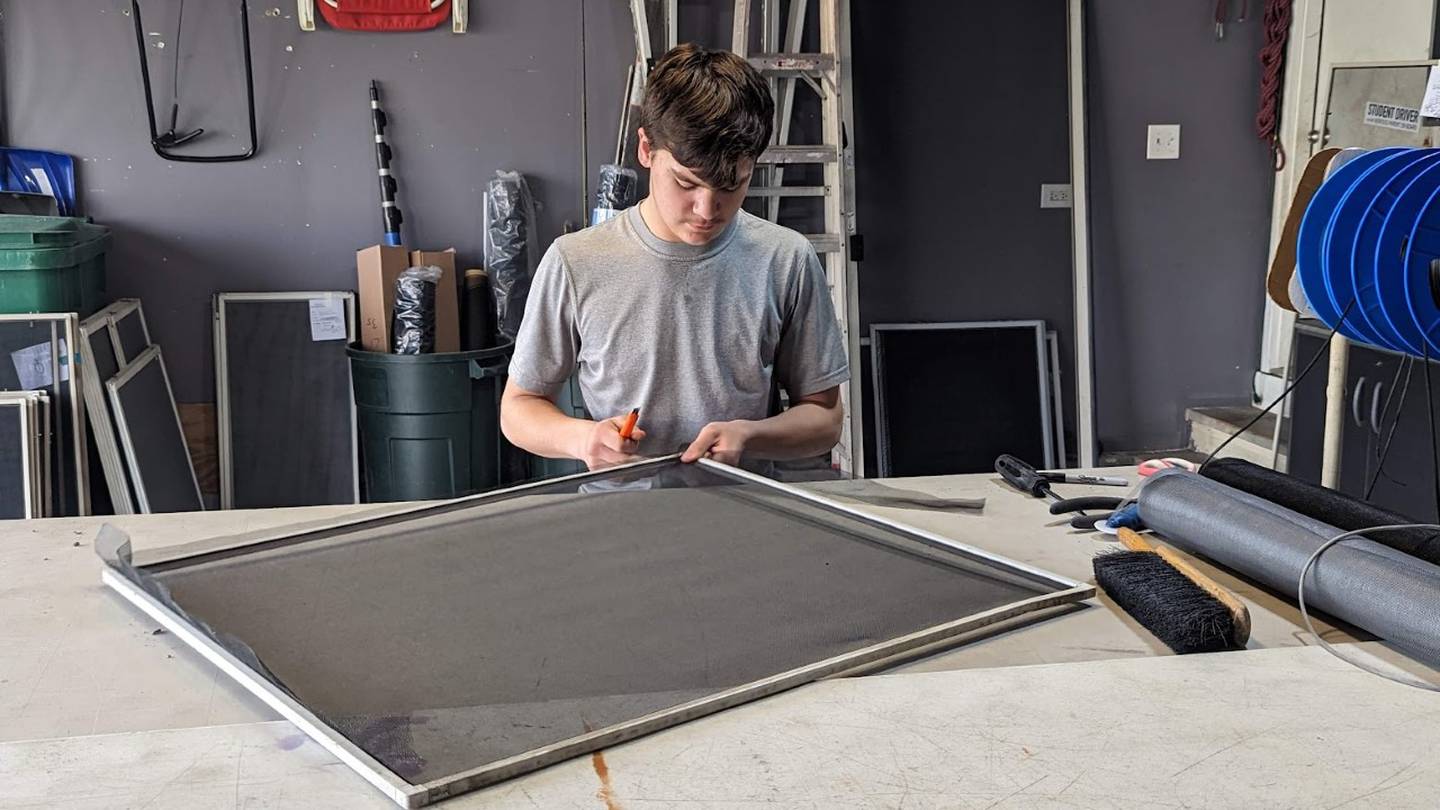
x,y
1026,478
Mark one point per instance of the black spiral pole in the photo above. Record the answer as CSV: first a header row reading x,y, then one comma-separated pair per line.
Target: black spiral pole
x,y
388,209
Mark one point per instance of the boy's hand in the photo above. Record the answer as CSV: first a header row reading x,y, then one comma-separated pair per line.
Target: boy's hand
x,y
722,441
603,446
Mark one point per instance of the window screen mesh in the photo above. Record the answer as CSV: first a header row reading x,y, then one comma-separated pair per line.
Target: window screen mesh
x,y
470,633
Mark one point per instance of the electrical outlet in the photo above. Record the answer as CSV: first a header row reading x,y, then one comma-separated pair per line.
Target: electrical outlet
x,y
1162,142
1055,195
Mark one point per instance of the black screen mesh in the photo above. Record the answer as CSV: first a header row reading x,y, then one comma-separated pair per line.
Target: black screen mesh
x,y
952,400
444,642
291,430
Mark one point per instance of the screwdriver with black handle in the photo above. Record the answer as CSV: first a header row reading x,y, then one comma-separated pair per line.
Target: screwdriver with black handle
x,y
1026,478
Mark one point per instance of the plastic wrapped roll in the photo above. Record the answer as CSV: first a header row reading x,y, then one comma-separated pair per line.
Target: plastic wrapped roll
x,y
1374,587
414,318
618,190
510,247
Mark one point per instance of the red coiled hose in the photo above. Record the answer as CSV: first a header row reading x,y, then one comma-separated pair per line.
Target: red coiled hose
x,y
1276,24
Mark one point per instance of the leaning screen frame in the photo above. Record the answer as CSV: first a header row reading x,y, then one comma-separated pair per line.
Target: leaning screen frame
x,y
877,373
69,329
24,412
1066,591
115,387
102,420
223,406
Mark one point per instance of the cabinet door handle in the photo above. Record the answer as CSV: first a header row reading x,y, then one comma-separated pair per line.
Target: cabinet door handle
x,y
1375,408
1355,402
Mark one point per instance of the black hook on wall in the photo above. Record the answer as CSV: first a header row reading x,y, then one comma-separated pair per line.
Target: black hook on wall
x,y
164,141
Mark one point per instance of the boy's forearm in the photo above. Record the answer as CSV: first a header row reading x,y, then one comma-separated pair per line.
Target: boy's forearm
x,y
535,424
807,428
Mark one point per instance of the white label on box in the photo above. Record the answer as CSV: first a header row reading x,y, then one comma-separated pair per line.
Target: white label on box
x,y
1390,116
33,365
327,319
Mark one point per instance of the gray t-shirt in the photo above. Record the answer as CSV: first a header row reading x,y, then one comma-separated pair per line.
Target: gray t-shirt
x,y
688,334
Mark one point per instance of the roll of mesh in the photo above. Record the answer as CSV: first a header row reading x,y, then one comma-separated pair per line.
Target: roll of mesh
x,y
617,187
1374,587
414,317
616,191
511,247
479,314
1333,508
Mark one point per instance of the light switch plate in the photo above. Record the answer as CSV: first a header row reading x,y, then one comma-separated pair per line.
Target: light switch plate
x,y
1055,195
1162,142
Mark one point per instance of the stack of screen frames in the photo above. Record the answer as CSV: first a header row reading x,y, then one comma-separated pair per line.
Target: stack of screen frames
x,y
133,415
952,397
99,361
284,406
455,645
25,452
36,355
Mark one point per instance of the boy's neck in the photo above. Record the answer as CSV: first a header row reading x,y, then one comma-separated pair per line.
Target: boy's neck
x,y
655,223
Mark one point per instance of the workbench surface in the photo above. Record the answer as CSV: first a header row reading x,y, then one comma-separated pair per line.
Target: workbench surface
x,y
1081,709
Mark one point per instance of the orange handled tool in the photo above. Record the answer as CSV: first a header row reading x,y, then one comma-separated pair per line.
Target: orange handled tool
x,y
629,426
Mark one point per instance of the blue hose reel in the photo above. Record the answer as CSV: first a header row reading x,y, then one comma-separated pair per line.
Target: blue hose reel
x,y
1369,248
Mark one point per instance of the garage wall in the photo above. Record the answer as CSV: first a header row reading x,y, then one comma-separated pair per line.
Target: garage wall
x,y
506,95
1179,247
952,146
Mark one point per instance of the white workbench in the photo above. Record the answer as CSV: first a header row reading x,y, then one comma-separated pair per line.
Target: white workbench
x,y
1083,709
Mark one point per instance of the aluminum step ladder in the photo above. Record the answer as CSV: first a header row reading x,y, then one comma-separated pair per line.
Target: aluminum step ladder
x,y
828,74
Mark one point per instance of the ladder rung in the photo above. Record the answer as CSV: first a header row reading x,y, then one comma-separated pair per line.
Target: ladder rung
x,y
789,191
822,153
793,64
825,242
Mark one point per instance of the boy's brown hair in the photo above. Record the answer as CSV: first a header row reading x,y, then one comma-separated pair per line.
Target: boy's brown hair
x,y
710,109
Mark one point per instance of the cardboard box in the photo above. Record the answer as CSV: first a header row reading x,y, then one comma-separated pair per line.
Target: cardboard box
x,y
447,297
377,267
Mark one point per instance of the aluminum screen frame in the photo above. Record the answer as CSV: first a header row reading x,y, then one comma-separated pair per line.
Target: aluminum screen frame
x,y
1065,591
29,473
128,330
36,440
1057,397
223,405
102,419
115,386
877,371
67,423
44,439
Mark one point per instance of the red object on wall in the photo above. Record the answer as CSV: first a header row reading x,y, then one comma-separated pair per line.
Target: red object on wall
x,y
384,15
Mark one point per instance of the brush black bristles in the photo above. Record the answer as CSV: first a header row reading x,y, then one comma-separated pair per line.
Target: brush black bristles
x,y
1165,602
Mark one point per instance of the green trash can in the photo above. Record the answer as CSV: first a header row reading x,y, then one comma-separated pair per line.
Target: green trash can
x,y
429,423
52,264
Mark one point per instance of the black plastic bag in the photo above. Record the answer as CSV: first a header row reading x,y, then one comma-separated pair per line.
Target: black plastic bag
x,y
510,247
413,323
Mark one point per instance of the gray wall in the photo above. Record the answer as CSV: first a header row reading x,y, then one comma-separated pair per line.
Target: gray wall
x,y
952,143
506,95
1180,247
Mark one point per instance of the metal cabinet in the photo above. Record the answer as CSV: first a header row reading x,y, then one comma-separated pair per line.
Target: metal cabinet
x,y
1375,378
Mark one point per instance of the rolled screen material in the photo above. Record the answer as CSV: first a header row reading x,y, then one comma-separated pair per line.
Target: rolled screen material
x,y
1333,508
1376,588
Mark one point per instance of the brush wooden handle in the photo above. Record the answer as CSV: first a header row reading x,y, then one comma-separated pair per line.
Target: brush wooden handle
x,y
1134,542
1131,539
